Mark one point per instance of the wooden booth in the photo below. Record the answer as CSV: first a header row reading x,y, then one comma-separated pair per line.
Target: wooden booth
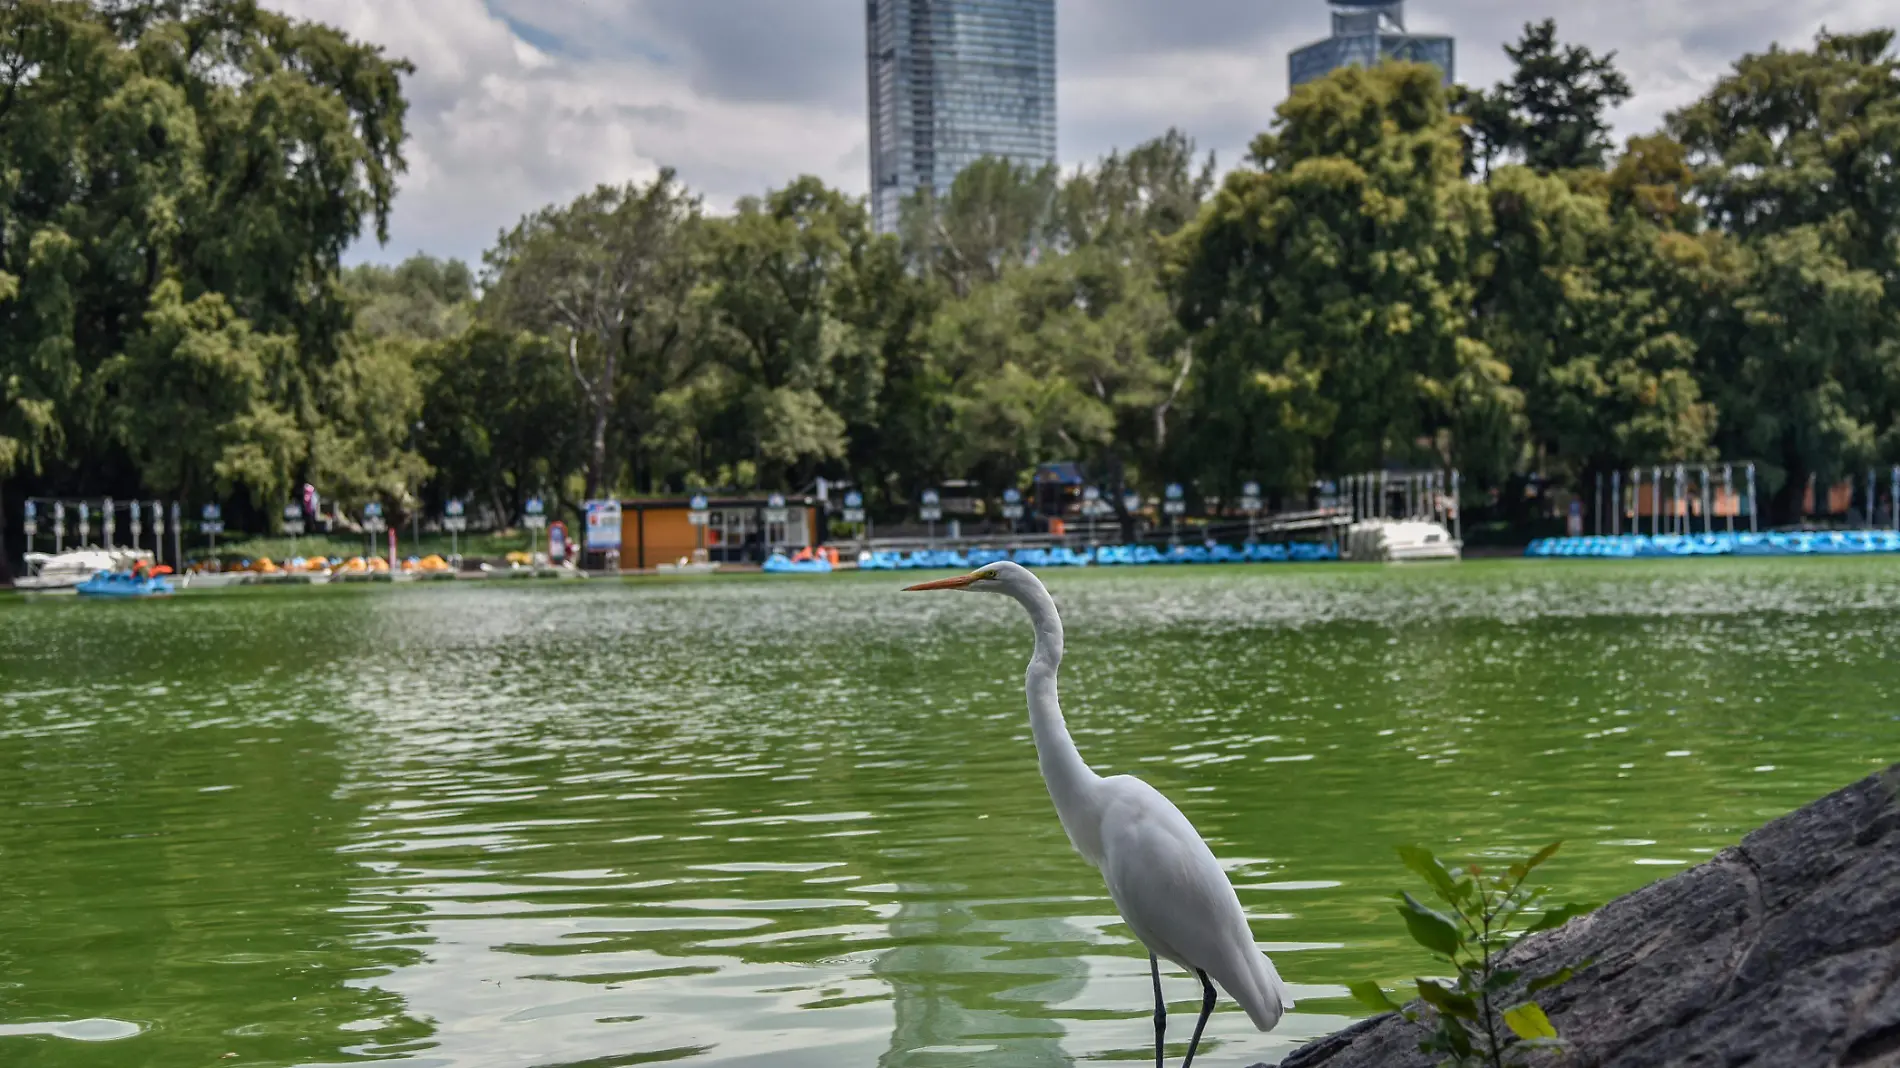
x,y
737,530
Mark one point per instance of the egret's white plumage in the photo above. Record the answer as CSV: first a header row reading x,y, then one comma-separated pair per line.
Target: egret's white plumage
x,y
1164,880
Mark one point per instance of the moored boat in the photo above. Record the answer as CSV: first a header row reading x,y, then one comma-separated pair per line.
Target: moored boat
x,y
124,584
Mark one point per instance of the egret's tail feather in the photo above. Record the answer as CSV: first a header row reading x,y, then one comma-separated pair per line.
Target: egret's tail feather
x,y
1261,993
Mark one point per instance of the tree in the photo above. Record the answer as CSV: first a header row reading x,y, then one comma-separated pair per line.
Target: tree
x,y
1579,303
421,297
367,449
205,423
498,416
783,266
156,153
613,274
1327,287
1129,200
997,215
1550,113
1796,157
892,393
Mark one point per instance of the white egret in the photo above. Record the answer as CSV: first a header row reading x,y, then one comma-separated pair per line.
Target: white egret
x,y
1162,877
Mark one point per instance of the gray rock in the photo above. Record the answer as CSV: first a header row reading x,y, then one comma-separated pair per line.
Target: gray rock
x,y
1782,951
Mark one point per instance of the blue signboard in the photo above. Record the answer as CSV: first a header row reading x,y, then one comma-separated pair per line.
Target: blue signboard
x,y
603,525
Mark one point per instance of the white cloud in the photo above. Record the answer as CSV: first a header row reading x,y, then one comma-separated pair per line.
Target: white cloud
x,y
516,104
499,128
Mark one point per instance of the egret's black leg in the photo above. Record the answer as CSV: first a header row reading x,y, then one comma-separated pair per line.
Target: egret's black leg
x,y
1207,1009
1161,1007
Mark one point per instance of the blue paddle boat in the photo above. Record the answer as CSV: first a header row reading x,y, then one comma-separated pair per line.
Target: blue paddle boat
x,y
124,584
779,564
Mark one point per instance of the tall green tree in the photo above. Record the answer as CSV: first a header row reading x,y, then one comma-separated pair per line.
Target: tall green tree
x,y
1579,303
155,153
1797,159
1551,113
498,415
784,266
1328,286
421,297
996,215
614,275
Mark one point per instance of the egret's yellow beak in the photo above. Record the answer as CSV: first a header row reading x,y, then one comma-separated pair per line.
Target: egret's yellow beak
x,y
955,582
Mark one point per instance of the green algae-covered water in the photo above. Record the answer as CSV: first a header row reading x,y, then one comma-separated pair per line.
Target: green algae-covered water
x,y
797,822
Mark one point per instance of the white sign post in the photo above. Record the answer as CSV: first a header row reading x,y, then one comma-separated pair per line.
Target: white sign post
x,y
853,507
775,513
1250,504
930,510
454,520
534,517
373,525
698,517
211,523
31,524
1175,506
293,525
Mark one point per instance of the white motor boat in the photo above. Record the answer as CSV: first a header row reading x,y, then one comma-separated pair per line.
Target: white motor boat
x,y
1399,541
63,571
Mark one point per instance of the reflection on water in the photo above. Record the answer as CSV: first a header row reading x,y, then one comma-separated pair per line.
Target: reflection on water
x,y
789,822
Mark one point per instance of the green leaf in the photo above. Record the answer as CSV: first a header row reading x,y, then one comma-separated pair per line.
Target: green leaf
x,y
1447,1000
1529,1021
1499,980
1427,867
1545,982
1372,996
1430,928
1543,855
1558,916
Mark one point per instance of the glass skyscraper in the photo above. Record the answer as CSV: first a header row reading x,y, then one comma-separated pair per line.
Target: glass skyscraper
x,y
1365,32
953,81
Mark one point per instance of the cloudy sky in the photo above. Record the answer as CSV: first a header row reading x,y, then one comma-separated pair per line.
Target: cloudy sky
x,y
520,103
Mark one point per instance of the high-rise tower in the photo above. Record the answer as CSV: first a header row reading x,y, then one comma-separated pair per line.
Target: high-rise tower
x,y
1365,32
953,81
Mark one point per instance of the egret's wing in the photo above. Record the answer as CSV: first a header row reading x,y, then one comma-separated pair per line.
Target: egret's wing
x,y
1177,900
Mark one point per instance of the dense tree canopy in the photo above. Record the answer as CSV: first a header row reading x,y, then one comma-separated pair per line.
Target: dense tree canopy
x,y
1396,274
177,183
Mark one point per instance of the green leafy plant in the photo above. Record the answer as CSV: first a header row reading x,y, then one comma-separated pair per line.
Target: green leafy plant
x,y
1479,1011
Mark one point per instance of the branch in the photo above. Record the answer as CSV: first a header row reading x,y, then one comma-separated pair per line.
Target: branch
x,y
1180,379
574,362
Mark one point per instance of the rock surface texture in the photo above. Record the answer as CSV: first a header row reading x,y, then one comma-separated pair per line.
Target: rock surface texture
x,y
1782,951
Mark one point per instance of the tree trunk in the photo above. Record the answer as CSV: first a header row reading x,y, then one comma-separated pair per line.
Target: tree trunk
x,y
597,453
1786,505
6,552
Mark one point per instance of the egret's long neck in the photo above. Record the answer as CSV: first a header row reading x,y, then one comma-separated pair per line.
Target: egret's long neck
x,y
1071,781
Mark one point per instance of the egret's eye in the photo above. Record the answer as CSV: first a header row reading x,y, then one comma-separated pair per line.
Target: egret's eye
x,y
986,575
